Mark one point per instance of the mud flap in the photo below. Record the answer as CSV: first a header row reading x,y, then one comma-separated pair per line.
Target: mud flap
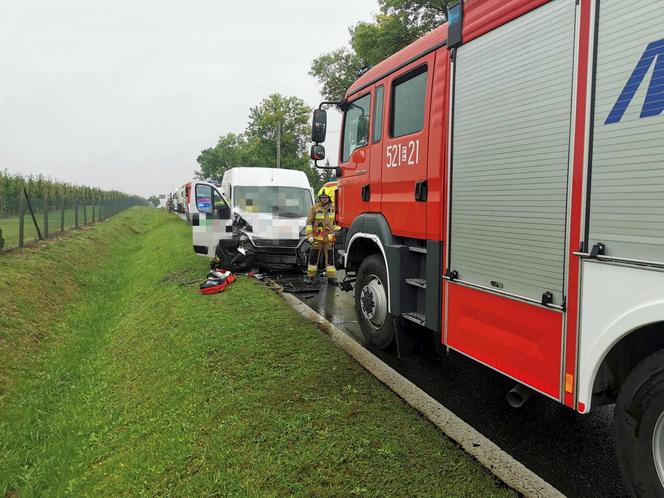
x,y
403,343
410,341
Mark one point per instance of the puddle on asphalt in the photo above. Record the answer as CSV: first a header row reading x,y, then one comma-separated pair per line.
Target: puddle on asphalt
x,y
335,305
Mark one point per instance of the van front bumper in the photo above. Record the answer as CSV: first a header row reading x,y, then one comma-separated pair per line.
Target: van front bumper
x,y
266,254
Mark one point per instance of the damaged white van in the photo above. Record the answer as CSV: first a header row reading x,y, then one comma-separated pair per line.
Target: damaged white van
x,y
266,229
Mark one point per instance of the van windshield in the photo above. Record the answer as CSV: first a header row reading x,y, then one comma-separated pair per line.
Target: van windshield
x,y
282,202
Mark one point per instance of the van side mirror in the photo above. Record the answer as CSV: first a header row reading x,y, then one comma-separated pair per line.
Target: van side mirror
x,y
319,126
317,152
224,212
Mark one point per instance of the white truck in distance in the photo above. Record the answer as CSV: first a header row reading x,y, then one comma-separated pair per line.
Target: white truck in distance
x,y
265,225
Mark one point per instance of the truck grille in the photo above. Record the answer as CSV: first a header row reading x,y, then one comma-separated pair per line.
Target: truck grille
x,y
276,242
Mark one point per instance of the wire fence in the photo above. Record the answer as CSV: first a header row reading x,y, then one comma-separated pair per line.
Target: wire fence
x,y
29,214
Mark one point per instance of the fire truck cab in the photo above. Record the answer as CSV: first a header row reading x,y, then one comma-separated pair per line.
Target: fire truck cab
x,y
502,185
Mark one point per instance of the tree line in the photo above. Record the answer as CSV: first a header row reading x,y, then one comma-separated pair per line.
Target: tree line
x,y
38,185
397,24
284,120
277,123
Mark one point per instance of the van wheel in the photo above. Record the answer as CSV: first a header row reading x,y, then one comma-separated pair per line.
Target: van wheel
x,y
371,303
639,425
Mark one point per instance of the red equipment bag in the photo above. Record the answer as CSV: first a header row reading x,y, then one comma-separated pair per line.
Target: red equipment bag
x,y
214,286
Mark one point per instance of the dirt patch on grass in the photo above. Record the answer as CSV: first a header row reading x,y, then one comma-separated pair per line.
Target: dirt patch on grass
x,y
183,278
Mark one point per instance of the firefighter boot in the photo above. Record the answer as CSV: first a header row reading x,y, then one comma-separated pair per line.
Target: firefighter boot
x,y
330,269
312,266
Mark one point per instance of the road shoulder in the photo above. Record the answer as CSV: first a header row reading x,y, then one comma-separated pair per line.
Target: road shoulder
x,y
501,464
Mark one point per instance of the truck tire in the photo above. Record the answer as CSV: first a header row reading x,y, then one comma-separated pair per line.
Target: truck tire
x,y
639,426
371,303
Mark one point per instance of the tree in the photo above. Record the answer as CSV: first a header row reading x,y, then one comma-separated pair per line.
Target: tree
x,y
421,16
336,71
257,145
399,23
292,116
230,151
376,41
154,200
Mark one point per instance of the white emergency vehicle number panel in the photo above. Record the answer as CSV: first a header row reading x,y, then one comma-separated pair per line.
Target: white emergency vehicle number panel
x,y
407,154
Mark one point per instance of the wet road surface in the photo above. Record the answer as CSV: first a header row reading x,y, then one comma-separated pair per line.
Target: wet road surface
x,y
573,452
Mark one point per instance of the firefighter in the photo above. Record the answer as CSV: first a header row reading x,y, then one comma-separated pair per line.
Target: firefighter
x,y
321,230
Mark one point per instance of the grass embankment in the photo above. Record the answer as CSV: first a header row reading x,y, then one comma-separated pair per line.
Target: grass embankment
x,y
9,226
119,378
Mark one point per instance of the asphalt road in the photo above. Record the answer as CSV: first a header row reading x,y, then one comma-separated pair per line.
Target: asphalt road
x,y
573,452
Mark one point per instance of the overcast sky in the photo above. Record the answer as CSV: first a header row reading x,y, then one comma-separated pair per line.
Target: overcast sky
x,y
124,94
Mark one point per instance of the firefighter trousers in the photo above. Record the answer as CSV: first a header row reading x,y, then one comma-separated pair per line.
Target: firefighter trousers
x,y
327,250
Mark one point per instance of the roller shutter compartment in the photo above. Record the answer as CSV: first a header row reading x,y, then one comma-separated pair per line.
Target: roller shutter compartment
x,y
627,162
511,139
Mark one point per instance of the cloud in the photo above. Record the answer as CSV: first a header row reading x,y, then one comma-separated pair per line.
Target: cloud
x,y
124,94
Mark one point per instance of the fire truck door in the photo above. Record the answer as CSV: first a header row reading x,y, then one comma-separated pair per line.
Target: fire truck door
x,y
377,133
405,146
355,161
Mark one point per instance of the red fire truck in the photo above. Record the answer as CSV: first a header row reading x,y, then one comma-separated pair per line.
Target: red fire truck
x,y
501,184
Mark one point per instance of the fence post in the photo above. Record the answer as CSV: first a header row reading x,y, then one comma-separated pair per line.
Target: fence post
x,y
21,215
45,213
32,214
62,215
85,212
94,202
76,213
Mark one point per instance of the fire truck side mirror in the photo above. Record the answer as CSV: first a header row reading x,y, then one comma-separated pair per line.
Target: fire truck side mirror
x,y
317,152
319,126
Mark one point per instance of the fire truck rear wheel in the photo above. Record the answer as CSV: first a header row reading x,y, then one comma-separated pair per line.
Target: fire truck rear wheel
x,y
371,302
639,424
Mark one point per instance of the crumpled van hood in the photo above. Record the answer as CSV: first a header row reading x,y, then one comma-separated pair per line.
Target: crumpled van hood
x,y
267,226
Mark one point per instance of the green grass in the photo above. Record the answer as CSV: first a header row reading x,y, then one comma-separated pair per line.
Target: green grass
x,y
10,226
118,378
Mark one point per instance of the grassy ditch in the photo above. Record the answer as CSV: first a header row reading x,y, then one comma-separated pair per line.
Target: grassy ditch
x,y
119,378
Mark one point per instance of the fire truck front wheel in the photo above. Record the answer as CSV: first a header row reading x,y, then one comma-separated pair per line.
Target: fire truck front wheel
x,y
639,424
371,302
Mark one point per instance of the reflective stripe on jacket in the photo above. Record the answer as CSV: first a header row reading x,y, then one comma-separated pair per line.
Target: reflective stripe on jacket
x,y
320,221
